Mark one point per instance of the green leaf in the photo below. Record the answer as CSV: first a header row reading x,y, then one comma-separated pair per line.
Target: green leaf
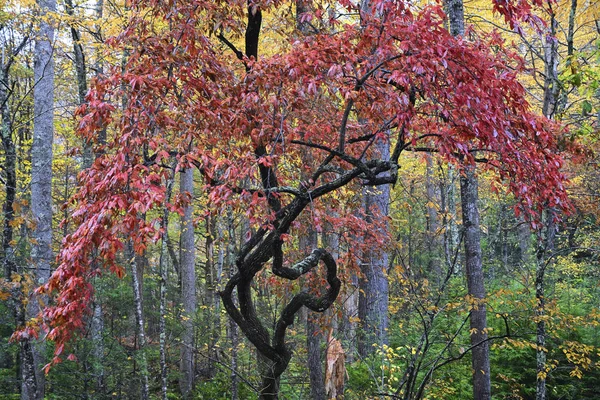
x,y
586,107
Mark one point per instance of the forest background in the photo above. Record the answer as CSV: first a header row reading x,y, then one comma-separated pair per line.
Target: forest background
x,y
149,204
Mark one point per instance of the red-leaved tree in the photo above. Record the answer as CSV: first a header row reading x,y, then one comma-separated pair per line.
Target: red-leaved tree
x,y
193,99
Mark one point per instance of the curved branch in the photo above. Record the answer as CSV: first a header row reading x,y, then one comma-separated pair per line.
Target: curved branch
x,y
304,298
255,333
299,269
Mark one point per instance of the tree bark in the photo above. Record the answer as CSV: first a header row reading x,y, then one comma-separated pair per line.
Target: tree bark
x,y
41,195
139,319
480,357
163,278
432,233
80,75
188,287
233,329
475,285
551,83
10,165
544,256
374,287
544,260
314,337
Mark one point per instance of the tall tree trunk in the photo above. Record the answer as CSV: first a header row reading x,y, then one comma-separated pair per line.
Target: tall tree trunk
x,y
432,235
373,296
211,279
233,329
10,165
7,252
475,287
163,276
448,204
348,325
188,287
544,257
544,260
139,319
551,83
480,357
41,193
80,74
374,288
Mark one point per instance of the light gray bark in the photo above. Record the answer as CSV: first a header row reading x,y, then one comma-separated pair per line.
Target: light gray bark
x,y
163,274
211,296
544,261
374,287
432,235
373,296
41,193
452,240
544,257
233,328
524,236
551,83
139,319
456,16
188,287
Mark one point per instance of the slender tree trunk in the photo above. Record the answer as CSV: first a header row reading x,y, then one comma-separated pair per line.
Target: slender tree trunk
x,y
452,240
139,319
433,242
524,236
374,288
480,357
314,339
349,326
544,260
475,287
233,329
163,273
80,74
7,252
549,108
373,296
41,194
10,157
551,83
211,279
10,165
188,287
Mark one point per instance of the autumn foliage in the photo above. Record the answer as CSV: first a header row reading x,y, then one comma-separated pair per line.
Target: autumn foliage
x,y
189,97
